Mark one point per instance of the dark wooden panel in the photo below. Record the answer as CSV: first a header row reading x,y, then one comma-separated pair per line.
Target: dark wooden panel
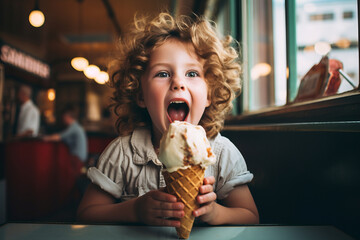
x,y
304,177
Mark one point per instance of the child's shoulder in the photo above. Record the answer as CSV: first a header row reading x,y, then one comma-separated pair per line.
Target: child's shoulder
x,y
113,148
221,141
117,142
222,145
138,138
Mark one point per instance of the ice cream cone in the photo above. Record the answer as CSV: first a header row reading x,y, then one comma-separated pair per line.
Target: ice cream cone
x,y
184,184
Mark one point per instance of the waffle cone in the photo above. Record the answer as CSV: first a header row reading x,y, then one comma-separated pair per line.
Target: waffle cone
x,y
184,184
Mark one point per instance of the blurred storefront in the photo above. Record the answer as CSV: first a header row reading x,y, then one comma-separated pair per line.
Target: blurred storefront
x,y
19,67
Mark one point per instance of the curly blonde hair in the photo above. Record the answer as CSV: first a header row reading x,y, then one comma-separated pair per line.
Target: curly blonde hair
x,y
221,68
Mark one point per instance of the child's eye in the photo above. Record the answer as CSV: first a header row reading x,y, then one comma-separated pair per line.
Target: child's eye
x,y
162,74
192,74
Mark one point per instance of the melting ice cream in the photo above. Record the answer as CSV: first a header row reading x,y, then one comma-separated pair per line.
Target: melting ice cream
x,y
184,145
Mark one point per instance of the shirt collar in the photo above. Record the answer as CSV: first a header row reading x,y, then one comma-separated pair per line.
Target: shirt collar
x,y
143,148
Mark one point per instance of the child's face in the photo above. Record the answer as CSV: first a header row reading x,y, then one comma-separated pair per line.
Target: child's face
x,y
173,86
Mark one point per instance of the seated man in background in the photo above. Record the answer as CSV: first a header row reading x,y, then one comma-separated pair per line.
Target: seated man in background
x,y
74,135
29,115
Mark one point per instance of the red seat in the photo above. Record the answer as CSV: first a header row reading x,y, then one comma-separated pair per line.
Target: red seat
x,y
40,177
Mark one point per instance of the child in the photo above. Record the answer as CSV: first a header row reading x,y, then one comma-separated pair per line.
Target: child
x,y
169,69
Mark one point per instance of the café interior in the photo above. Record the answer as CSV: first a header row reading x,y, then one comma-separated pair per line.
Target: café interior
x,y
296,121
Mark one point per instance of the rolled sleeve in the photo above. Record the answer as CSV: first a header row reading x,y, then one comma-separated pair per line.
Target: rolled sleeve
x,y
108,175
232,170
104,182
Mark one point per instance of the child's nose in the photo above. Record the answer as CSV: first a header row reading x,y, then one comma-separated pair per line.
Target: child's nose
x,y
177,84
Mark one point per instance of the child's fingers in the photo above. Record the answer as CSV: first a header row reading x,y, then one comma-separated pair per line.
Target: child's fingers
x,y
169,213
209,180
162,196
206,189
209,197
168,205
202,210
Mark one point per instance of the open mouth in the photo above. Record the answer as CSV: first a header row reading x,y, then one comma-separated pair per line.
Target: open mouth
x,y
177,111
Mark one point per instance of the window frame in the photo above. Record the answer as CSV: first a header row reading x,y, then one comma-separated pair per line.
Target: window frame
x,y
340,107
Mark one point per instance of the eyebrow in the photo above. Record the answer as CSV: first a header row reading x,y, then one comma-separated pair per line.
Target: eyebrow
x,y
197,64
188,65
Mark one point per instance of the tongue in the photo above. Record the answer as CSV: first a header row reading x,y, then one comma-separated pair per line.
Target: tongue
x,y
177,114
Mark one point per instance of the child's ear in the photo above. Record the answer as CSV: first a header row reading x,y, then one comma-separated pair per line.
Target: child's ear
x,y
140,100
208,101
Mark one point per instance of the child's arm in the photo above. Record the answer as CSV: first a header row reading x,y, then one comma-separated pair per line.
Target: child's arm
x,y
152,208
238,207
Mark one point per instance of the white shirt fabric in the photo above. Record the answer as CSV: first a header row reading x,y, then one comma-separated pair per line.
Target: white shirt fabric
x,y
129,167
29,118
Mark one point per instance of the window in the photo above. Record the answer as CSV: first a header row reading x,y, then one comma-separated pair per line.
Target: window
x,y
338,38
282,40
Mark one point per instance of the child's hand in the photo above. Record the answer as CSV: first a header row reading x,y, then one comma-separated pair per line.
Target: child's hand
x,y
157,207
206,199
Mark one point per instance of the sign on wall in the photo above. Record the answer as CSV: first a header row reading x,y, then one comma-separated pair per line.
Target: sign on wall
x,y
24,61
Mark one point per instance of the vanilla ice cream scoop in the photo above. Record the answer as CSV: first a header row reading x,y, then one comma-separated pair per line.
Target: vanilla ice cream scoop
x,y
184,145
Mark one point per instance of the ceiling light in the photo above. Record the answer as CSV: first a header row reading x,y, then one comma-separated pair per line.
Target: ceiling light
x,y
102,77
36,17
79,63
91,71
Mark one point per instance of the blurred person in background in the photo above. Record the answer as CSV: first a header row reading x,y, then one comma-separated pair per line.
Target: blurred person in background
x,y
73,136
29,115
